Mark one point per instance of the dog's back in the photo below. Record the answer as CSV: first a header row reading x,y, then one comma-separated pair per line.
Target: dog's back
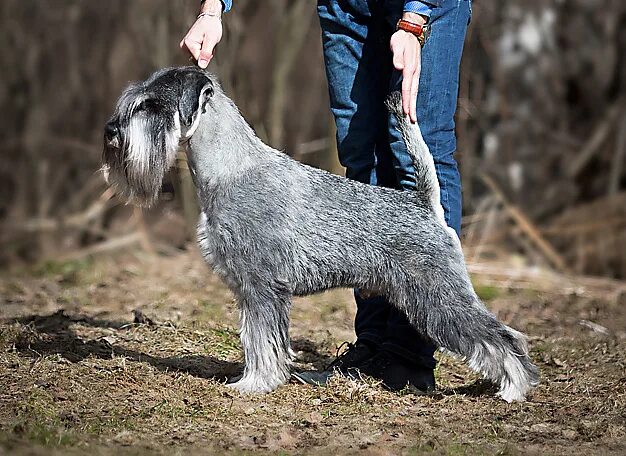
x,y
272,228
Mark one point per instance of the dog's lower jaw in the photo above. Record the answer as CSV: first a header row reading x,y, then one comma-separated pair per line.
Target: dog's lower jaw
x,y
141,194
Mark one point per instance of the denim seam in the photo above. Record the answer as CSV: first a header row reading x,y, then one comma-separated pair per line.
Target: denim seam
x,y
442,182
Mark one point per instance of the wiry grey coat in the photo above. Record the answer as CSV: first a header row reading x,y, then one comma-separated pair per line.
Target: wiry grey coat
x,y
274,228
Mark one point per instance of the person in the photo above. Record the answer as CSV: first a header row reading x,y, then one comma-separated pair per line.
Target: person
x,y
367,56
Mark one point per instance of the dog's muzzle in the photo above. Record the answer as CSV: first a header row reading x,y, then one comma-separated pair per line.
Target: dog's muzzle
x,y
112,135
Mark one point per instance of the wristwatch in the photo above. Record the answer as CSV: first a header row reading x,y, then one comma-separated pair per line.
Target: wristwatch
x,y
420,31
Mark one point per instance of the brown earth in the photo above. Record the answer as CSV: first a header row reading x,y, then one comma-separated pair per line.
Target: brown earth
x,y
78,375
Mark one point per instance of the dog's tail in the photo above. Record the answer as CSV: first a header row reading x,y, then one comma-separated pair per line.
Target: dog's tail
x,y
451,315
500,354
427,185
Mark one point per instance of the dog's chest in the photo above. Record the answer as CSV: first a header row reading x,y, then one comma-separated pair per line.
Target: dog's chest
x,y
210,247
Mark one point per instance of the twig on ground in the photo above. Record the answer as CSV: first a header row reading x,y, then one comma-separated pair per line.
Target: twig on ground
x,y
592,146
102,247
617,164
78,220
527,226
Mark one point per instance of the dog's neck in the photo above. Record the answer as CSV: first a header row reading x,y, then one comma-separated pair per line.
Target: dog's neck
x,y
224,146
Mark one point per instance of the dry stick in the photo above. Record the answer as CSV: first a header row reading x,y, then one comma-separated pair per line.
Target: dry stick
x,y
527,246
145,241
478,216
53,143
310,147
102,247
77,220
617,164
592,146
470,222
574,229
527,226
492,215
581,258
546,280
93,186
612,240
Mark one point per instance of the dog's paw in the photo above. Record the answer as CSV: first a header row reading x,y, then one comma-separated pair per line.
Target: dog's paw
x,y
252,385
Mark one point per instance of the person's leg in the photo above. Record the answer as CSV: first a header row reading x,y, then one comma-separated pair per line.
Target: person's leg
x,y
436,105
358,80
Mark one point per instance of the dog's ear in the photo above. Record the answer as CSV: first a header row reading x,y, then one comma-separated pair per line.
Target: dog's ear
x,y
195,88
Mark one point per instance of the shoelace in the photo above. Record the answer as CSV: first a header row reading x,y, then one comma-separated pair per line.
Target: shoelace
x,y
338,356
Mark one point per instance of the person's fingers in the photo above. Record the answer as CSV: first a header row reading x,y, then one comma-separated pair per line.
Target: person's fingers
x,y
398,54
407,78
202,38
193,45
182,42
206,53
416,82
193,40
414,88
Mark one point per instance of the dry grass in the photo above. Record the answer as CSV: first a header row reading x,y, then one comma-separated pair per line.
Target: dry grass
x,y
77,375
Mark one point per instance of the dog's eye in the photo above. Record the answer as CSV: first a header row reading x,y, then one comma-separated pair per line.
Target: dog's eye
x,y
146,105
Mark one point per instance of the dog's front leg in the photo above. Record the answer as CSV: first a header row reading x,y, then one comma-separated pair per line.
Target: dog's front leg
x,y
265,340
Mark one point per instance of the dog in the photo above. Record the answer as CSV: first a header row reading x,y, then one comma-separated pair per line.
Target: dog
x,y
273,228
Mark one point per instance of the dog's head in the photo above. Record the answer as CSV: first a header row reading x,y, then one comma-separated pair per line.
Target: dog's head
x,y
150,120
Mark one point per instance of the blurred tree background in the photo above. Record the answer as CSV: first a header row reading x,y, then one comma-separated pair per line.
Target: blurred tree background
x,y
541,122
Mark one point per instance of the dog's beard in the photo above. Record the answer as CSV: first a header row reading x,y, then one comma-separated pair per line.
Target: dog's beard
x,y
149,150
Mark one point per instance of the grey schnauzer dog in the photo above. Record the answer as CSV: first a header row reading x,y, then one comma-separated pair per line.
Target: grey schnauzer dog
x,y
273,228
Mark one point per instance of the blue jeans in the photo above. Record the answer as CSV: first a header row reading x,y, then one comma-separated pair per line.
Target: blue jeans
x,y
355,38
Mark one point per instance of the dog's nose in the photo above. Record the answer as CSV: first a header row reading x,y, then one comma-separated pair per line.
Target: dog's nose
x,y
111,135
110,131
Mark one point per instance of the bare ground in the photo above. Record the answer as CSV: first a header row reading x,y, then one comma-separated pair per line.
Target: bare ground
x,y
78,375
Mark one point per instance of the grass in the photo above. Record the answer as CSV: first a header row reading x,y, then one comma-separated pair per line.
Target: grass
x,y
67,272
89,380
225,343
38,421
486,292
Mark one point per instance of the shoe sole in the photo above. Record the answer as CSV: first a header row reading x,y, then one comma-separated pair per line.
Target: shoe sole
x,y
314,378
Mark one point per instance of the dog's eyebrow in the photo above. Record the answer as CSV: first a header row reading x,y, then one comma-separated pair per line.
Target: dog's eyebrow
x,y
130,99
138,101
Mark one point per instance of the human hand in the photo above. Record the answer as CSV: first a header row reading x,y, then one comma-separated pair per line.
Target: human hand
x,y
407,57
205,33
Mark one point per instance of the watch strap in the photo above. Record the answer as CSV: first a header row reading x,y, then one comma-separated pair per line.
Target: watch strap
x,y
419,30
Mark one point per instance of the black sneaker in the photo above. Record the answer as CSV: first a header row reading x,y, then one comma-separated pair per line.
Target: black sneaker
x,y
353,358
349,363
398,374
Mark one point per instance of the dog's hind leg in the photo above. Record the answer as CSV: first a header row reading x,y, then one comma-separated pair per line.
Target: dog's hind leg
x,y
451,314
265,339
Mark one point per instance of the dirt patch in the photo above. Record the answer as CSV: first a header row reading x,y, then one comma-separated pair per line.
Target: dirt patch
x,y
78,373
